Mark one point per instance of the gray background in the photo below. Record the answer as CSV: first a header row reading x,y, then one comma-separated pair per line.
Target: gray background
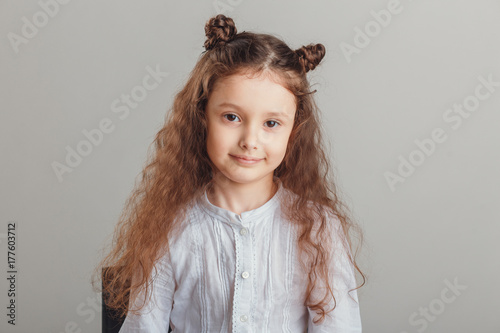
x,y
439,226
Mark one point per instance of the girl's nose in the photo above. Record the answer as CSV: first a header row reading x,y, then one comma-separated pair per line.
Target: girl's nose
x,y
249,138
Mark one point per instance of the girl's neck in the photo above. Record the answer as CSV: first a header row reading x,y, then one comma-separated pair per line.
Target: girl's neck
x,y
237,197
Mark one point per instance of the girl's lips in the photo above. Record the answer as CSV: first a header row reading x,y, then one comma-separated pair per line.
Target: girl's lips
x,y
246,160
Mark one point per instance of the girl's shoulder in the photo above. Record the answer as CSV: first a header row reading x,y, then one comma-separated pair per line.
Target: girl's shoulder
x,y
317,210
325,221
184,220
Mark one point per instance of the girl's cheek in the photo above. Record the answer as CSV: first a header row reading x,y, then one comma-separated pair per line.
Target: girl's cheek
x,y
265,137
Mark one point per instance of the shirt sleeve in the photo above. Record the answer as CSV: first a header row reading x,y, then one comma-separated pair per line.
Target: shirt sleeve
x,y
155,315
345,318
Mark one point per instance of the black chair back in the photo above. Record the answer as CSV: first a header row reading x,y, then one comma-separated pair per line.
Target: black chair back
x,y
111,321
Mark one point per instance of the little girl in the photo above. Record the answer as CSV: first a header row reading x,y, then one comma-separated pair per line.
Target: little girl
x,y
236,225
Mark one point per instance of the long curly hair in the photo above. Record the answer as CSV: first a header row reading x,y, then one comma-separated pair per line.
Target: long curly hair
x,y
178,169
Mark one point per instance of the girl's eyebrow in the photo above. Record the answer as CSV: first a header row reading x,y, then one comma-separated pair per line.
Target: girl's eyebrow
x,y
270,113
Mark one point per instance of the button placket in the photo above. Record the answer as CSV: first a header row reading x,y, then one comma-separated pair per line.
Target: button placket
x,y
243,296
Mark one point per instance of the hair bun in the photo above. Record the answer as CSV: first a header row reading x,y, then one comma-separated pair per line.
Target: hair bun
x,y
311,55
219,31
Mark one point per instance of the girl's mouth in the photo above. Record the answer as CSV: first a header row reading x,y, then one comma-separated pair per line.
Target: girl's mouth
x,y
246,160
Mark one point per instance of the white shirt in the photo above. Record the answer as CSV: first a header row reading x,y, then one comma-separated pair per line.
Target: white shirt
x,y
240,273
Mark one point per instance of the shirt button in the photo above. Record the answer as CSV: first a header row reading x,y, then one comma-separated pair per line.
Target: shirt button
x,y
243,231
245,275
243,318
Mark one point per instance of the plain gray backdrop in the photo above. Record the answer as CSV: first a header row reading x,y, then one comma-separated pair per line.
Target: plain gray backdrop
x,y
410,98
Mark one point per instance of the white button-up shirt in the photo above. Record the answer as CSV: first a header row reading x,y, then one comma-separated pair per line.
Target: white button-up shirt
x,y
240,273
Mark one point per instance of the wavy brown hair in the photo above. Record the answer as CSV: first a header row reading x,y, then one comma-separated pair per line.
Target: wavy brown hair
x,y
178,168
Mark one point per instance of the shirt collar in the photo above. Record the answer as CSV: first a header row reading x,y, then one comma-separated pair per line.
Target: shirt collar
x,y
223,214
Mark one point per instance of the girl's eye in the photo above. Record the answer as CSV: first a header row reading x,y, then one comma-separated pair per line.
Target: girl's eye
x,y
230,117
275,122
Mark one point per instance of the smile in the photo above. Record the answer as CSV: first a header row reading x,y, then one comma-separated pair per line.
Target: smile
x,y
246,160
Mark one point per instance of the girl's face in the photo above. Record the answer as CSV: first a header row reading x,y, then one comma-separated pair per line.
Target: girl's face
x,y
250,118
